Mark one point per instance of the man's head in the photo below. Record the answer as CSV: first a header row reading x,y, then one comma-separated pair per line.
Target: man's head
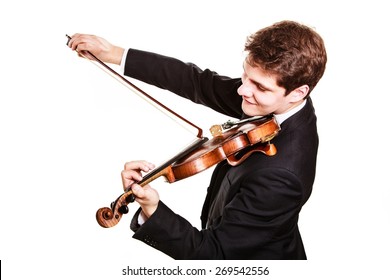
x,y
291,51
285,61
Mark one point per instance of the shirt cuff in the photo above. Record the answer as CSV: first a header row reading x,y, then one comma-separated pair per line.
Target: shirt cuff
x,y
141,218
123,61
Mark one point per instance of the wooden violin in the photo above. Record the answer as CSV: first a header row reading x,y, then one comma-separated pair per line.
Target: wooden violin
x,y
246,136
255,134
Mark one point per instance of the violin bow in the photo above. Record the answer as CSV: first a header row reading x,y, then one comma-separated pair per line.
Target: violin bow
x,y
157,104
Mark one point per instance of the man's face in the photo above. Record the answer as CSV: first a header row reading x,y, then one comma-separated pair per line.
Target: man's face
x,y
260,93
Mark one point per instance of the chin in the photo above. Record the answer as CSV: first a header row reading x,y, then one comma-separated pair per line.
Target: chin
x,y
251,112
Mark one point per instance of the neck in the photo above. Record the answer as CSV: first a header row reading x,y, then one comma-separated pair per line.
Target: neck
x,y
291,111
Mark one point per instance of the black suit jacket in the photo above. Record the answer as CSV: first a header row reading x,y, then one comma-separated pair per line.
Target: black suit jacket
x,y
251,210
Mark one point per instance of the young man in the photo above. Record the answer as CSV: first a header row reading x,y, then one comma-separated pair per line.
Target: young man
x,y
250,210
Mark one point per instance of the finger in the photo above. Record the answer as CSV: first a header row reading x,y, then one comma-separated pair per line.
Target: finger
x,y
73,38
139,165
134,175
81,42
84,50
129,177
138,191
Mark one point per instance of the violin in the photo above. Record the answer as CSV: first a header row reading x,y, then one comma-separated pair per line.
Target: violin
x,y
231,141
255,134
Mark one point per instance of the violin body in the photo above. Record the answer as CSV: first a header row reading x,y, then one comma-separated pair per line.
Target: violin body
x,y
226,146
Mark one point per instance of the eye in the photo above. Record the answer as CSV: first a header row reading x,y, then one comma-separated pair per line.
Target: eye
x,y
260,87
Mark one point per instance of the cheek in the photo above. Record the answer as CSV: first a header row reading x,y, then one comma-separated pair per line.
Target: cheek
x,y
264,99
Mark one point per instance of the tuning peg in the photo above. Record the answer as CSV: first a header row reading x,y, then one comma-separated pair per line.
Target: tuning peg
x,y
123,209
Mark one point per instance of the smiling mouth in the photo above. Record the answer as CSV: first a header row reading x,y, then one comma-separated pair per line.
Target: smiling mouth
x,y
248,102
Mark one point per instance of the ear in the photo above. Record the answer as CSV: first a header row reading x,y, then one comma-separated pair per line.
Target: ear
x,y
299,93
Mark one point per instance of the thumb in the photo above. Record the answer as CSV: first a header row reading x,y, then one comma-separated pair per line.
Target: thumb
x,y
138,191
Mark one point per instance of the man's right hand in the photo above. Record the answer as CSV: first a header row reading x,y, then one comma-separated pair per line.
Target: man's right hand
x,y
98,46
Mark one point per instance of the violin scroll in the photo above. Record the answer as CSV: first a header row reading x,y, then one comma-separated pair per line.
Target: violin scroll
x,y
109,217
105,217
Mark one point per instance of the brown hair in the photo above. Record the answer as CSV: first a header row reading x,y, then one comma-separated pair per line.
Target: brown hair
x,y
293,52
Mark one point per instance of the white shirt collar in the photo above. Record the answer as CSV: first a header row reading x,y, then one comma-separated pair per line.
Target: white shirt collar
x,y
282,117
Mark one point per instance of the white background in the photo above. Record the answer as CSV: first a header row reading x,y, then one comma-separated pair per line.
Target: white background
x,y
67,128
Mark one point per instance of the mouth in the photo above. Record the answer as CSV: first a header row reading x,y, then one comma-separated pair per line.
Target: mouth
x,y
248,102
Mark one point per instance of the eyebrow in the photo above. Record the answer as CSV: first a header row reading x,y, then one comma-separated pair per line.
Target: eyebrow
x,y
258,84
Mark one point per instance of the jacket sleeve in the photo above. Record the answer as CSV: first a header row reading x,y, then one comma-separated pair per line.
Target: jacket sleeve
x,y
256,223
186,80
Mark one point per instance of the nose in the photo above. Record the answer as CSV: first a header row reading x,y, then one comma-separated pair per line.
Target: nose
x,y
244,90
